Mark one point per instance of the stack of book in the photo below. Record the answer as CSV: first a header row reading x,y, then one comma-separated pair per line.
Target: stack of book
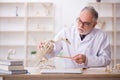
x,y
12,67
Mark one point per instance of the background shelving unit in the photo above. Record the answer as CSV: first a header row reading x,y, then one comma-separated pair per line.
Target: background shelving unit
x,y
117,34
109,21
12,26
26,24
40,25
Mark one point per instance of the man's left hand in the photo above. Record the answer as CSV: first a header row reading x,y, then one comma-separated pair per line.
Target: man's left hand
x,y
79,58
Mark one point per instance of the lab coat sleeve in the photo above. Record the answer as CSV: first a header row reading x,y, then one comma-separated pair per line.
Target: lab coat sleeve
x,y
103,56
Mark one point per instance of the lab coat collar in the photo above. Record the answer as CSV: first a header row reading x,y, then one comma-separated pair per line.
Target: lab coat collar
x,y
90,35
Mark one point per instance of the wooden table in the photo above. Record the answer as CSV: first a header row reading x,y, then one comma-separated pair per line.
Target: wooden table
x,y
88,74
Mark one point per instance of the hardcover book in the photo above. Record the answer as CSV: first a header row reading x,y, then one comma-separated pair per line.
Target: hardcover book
x,y
13,72
7,67
11,62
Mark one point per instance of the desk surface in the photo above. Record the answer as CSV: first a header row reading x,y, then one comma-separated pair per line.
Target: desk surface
x,y
87,73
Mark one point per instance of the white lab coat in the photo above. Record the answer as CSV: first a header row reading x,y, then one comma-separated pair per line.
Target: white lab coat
x,y
95,46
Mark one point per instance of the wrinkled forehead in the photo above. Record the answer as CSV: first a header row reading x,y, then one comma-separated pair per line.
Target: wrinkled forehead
x,y
86,16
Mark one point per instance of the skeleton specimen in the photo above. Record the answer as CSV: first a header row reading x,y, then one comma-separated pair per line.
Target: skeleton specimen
x,y
42,61
11,52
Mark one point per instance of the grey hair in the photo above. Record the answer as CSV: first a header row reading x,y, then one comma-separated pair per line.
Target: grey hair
x,y
92,10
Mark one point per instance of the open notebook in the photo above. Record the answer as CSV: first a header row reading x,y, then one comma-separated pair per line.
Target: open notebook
x,y
61,71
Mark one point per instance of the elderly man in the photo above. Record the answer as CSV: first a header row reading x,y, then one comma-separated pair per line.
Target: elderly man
x,y
89,46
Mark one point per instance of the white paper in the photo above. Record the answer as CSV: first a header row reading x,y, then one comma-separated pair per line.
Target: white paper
x,y
61,71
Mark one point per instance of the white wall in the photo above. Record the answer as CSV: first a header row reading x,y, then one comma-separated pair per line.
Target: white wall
x,y
67,11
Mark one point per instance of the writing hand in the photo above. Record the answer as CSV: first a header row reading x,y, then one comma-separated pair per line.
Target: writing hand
x,y
79,58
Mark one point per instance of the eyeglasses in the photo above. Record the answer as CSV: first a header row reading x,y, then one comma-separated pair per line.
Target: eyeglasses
x,y
83,23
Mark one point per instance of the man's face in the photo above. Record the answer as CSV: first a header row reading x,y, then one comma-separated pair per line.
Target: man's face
x,y
85,22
